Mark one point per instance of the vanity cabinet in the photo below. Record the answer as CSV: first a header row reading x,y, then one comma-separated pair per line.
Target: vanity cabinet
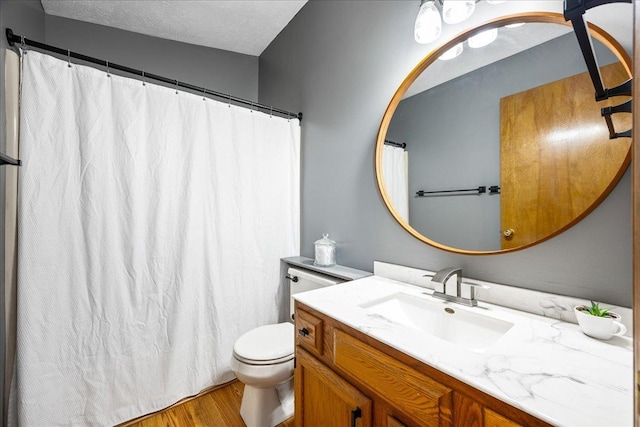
x,y
346,378
323,398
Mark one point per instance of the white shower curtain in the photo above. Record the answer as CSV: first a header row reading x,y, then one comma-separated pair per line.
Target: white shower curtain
x,y
151,227
394,172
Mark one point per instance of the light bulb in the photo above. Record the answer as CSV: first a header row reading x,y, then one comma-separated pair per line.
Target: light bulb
x,y
454,52
428,23
455,11
483,39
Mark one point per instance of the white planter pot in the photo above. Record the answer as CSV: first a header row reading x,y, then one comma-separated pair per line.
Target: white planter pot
x,y
602,328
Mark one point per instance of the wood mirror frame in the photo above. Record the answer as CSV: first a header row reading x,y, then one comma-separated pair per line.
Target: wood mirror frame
x,y
529,17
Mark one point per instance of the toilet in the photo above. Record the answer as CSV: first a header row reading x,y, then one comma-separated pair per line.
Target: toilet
x,y
263,359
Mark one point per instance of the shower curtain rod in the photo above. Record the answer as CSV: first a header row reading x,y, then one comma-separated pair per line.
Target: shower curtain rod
x,y
395,144
23,41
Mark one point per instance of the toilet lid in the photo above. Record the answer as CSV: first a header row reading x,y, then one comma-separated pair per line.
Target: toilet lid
x,y
268,343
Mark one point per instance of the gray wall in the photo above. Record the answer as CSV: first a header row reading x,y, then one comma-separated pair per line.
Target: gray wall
x,y
453,136
340,62
219,70
27,17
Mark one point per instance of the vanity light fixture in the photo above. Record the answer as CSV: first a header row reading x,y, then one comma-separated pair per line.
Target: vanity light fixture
x,y
483,39
454,52
456,11
428,25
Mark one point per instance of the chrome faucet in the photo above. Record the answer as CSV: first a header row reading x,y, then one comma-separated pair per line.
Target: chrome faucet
x,y
444,276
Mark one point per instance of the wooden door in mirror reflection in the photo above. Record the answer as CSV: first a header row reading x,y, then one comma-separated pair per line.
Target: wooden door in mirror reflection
x,y
550,137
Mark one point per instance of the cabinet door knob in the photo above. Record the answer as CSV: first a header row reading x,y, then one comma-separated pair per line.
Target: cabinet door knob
x,y
355,414
304,332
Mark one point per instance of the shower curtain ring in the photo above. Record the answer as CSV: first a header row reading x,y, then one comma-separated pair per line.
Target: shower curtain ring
x,y
23,45
252,106
204,92
176,87
271,112
108,74
69,58
143,81
229,103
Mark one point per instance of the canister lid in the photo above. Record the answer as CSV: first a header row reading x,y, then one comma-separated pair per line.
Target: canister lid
x,y
266,343
325,240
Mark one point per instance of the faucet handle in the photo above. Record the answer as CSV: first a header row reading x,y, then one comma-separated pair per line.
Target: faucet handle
x,y
471,289
477,285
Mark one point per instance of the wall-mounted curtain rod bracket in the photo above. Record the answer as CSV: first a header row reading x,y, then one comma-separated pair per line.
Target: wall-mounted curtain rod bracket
x,y
494,189
620,108
12,39
395,144
623,89
8,160
574,11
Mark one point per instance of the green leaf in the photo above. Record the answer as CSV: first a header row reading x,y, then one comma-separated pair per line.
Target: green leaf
x,y
595,310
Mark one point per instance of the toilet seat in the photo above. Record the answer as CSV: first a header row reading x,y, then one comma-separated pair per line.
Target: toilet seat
x,y
263,362
266,345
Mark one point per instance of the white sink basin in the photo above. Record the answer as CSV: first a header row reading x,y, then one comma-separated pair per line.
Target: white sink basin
x,y
460,326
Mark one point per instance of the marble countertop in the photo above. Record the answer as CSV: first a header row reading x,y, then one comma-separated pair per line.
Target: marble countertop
x,y
546,367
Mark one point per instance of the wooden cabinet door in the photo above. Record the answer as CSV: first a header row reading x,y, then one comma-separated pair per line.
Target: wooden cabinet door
x,y
322,398
467,412
493,419
421,400
393,422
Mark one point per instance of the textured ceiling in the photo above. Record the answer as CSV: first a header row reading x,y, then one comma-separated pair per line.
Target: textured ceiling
x,y
238,25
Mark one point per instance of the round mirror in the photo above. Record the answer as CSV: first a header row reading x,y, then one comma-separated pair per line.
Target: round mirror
x,y
493,148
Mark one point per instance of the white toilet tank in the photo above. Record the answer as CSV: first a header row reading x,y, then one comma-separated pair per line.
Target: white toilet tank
x,y
304,280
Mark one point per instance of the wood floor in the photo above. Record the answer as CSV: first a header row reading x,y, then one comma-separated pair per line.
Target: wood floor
x,y
218,408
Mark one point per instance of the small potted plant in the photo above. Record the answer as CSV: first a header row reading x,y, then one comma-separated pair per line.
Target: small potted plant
x,y
599,322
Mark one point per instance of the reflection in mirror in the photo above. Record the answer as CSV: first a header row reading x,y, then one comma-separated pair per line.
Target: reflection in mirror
x,y
515,122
